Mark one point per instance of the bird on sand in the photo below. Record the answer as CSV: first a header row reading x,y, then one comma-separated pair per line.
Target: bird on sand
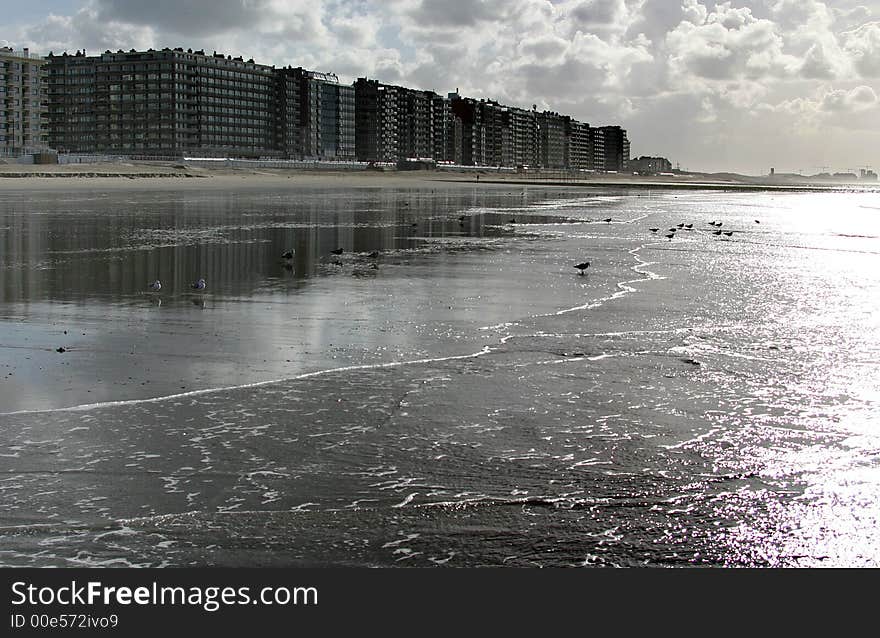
x,y
688,226
582,266
728,232
716,232
156,285
670,235
338,251
199,285
757,221
653,230
607,219
287,255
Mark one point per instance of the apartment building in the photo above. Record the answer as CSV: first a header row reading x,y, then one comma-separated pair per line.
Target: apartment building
x,y
23,102
167,102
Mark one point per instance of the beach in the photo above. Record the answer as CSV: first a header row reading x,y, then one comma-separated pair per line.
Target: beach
x,y
183,175
428,380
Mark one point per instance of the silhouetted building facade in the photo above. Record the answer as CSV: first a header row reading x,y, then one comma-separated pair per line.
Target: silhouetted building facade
x,y
615,155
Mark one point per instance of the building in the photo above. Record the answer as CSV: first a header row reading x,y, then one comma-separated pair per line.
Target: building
x,y
551,140
446,130
377,121
162,103
173,103
615,151
23,103
520,137
650,165
578,148
324,117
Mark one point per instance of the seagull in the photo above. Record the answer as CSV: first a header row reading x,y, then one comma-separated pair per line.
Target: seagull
x,y
653,230
607,219
582,266
338,251
287,255
156,285
716,232
728,232
688,226
670,235
199,285
681,225
757,221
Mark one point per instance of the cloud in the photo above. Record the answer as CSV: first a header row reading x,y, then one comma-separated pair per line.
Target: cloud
x,y
863,46
730,43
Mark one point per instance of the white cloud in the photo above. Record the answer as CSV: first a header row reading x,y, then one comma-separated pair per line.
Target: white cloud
x,y
863,46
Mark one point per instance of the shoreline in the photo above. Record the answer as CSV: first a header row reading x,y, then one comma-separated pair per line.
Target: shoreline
x,y
178,176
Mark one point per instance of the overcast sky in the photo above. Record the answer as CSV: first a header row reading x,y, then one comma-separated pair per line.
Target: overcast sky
x,y
741,85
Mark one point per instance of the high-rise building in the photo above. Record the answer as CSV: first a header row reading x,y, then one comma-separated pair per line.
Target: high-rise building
x,y
445,130
23,101
482,130
167,102
395,123
325,118
520,137
616,149
578,150
378,114
551,140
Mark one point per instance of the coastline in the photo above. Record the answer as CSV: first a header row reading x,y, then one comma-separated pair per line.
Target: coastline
x,y
180,176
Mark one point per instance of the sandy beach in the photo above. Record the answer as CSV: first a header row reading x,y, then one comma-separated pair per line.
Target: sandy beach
x,y
183,176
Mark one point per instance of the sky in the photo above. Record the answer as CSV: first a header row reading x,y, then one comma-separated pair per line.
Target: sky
x,y
742,85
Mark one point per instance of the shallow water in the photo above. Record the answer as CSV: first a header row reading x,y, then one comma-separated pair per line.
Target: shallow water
x,y
463,398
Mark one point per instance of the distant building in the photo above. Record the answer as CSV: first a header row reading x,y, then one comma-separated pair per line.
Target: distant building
x,y
868,174
650,165
23,102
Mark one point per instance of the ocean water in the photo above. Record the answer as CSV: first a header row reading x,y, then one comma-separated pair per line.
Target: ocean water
x,y
462,398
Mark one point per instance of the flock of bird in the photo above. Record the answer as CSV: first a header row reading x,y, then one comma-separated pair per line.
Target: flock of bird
x,y
670,234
